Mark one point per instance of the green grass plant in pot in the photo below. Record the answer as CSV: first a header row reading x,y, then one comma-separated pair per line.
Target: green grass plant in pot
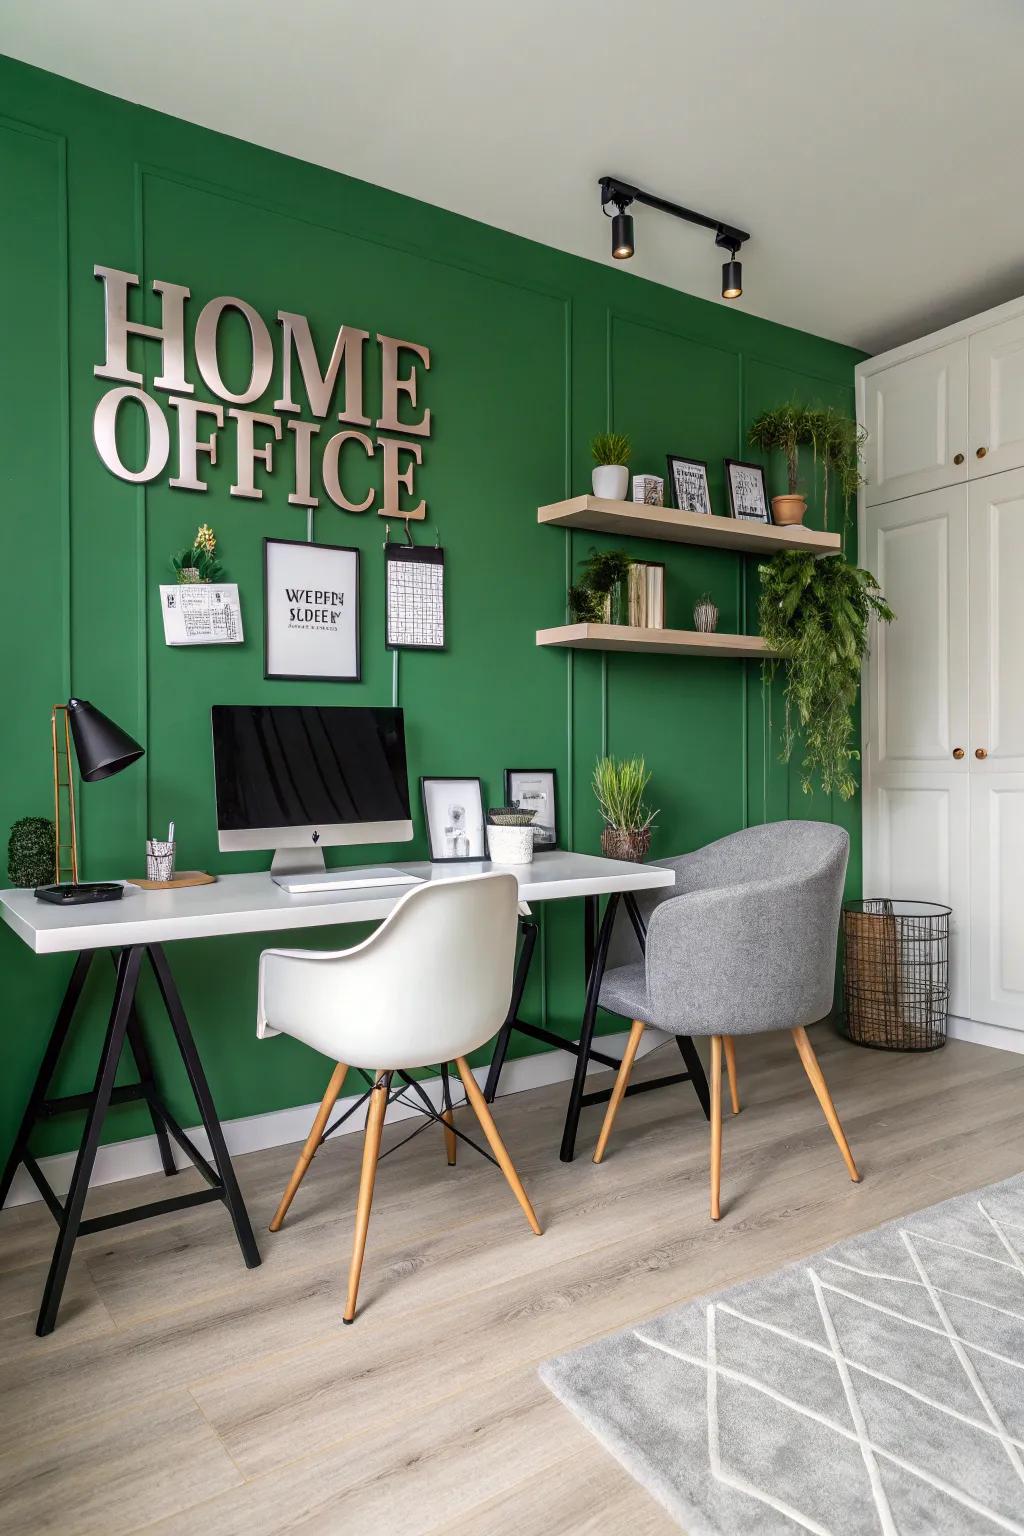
x,y
612,452
815,614
621,788
785,429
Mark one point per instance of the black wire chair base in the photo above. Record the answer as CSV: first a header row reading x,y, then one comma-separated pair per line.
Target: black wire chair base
x,y
425,1107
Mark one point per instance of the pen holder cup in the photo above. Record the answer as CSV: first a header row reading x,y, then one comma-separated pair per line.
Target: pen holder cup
x,y
159,860
510,845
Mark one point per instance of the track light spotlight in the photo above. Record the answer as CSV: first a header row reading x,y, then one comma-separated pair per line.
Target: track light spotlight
x,y
622,195
622,234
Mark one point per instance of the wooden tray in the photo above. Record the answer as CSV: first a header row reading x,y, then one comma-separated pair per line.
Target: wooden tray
x,y
187,877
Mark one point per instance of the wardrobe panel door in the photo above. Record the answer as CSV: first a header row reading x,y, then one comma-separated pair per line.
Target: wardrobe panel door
x,y
915,413
916,679
996,522
997,398
997,909
916,846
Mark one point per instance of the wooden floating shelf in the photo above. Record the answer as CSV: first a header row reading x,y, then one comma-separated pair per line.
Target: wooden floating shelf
x,y
662,642
641,521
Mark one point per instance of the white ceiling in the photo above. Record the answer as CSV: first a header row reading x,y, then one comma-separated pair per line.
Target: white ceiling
x,y
871,146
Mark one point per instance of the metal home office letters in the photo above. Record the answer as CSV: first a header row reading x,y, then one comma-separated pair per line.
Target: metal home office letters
x,y
199,425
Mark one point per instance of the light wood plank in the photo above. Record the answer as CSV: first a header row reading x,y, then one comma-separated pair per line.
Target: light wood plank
x,y
600,515
654,642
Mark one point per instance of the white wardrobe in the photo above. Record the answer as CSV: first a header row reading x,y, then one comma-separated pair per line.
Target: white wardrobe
x,y
942,526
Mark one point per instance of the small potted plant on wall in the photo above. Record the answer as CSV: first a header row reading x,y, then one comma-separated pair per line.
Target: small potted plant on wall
x,y
198,563
787,428
612,452
620,788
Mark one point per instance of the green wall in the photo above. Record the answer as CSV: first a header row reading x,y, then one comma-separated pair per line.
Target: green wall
x,y
533,351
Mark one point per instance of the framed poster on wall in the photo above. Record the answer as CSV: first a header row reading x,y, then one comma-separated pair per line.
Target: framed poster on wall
x,y
310,611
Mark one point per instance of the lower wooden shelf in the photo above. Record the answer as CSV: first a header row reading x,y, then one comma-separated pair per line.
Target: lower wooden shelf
x,y
667,642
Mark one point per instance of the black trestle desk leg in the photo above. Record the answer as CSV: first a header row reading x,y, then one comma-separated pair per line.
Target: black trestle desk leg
x,y
47,1067
594,979
695,1067
124,997
139,1049
529,930
204,1099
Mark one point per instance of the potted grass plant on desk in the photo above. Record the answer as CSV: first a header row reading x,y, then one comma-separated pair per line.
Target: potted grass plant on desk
x,y
621,788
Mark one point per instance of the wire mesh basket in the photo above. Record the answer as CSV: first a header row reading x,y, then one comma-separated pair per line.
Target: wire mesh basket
x,y
896,973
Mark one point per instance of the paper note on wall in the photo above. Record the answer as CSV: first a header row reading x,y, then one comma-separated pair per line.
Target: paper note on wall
x,y
201,614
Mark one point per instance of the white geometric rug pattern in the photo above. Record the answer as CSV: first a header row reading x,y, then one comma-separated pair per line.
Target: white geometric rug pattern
x,y
877,1387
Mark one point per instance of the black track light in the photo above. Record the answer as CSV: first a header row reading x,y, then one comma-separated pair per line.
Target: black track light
x,y
732,279
622,236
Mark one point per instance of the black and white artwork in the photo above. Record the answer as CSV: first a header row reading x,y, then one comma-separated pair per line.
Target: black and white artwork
x,y
311,611
748,499
453,810
415,598
533,789
688,479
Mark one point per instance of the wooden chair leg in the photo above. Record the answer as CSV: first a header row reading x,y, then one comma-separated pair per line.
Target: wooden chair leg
x,y
716,1125
450,1138
313,1140
619,1091
371,1152
818,1083
497,1146
730,1067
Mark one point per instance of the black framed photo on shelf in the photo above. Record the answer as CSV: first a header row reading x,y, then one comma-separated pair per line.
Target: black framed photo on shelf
x,y
453,810
688,480
310,611
533,789
748,496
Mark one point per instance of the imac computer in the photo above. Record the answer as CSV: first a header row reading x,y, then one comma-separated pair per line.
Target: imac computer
x,y
300,778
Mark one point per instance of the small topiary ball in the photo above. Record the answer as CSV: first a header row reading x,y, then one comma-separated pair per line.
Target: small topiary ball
x,y
31,852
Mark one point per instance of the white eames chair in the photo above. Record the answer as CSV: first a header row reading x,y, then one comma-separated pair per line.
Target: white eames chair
x,y
428,987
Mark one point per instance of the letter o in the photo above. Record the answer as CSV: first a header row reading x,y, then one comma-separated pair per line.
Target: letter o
x,y
206,349
104,432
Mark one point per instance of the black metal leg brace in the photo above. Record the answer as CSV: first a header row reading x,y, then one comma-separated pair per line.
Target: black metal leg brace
x,y
528,929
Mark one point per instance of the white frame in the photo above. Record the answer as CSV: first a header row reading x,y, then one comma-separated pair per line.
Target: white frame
x,y
438,793
325,652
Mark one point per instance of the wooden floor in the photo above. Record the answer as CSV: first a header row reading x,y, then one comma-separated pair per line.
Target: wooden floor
x,y
182,1393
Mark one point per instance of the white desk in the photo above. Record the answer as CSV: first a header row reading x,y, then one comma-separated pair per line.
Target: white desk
x,y
138,926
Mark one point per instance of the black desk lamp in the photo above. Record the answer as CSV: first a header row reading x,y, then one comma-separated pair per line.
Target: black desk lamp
x,y
102,748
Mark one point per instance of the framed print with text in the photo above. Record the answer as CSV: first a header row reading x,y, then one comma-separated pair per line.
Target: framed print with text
x,y
748,499
310,611
688,479
533,789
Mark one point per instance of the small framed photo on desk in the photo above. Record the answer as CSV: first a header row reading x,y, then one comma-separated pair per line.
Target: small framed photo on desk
x,y
533,789
453,810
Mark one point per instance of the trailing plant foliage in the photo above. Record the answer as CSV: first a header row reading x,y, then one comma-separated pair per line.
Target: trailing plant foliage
x,y
837,441
31,854
611,448
815,614
620,788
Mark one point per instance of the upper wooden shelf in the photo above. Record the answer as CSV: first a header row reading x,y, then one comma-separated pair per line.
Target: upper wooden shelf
x,y
642,521
663,642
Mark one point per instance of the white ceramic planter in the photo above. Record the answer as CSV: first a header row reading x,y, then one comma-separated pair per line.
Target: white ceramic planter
x,y
611,481
510,845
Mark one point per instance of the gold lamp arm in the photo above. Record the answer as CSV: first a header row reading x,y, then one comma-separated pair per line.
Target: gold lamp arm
x,y
65,834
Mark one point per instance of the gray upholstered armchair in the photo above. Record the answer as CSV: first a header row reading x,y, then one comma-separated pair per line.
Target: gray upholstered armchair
x,y
744,943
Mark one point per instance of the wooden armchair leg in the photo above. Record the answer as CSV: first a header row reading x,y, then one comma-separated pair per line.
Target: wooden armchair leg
x,y
818,1083
497,1146
730,1067
450,1138
716,1126
313,1140
619,1090
371,1152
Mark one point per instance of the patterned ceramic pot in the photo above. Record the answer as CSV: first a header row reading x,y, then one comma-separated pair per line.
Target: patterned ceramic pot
x,y
625,843
705,615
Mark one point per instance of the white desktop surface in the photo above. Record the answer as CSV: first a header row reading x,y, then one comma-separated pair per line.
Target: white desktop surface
x,y
254,904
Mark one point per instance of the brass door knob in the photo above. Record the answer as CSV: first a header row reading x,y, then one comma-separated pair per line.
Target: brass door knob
x,y
980,752
979,453
958,458
958,753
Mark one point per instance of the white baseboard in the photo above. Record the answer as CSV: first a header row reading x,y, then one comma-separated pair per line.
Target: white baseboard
x,y
128,1159
996,1035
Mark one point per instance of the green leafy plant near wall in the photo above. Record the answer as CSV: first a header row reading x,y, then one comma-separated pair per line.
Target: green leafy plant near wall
x,y
603,576
199,562
835,439
815,613
784,429
611,448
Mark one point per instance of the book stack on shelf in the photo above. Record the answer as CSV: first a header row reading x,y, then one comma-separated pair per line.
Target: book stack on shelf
x,y
647,594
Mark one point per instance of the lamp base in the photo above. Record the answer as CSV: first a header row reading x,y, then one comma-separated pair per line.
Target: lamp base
x,y
80,893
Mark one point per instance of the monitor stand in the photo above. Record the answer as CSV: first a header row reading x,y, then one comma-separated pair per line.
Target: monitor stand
x,y
298,861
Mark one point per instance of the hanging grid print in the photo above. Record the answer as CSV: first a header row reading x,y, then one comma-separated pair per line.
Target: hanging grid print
x,y
415,597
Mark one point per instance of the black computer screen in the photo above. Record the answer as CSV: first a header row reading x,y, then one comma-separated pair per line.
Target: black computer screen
x,y
304,765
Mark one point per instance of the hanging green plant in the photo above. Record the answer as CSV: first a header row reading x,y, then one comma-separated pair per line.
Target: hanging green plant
x,y
815,613
837,441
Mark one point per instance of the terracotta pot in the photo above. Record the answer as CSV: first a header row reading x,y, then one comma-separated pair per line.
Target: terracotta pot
x,y
788,509
620,843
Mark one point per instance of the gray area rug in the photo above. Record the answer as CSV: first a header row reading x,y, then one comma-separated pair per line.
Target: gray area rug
x,y
877,1387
